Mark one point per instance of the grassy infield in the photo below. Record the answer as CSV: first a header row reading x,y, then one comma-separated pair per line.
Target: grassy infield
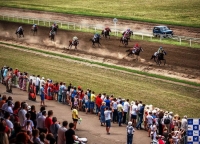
x,y
177,98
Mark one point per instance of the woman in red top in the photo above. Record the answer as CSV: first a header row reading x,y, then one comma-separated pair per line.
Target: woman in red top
x,y
98,104
81,95
48,121
56,89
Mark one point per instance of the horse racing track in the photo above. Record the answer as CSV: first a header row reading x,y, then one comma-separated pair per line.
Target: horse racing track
x,y
180,61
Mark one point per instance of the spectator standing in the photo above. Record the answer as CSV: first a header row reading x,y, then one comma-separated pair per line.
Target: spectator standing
x,y
107,101
22,113
92,102
130,131
114,109
125,110
149,120
120,112
184,123
75,116
86,101
61,133
37,83
107,114
64,93
139,105
54,128
33,115
8,122
42,95
98,104
60,92
48,120
41,121
102,116
70,135
134,109
141,113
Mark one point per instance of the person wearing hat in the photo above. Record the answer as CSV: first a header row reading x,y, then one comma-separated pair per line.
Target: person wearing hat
x,y
130,131
184,123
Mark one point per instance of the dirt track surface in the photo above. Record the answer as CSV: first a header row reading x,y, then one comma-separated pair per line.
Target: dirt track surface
x,y
182,62
99,21
89,127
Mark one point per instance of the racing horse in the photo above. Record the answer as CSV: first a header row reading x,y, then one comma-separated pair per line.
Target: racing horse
x,y
128,35
54,28
106,33
158,57
124,41
75,44
137,52
19,33
34,30
96,40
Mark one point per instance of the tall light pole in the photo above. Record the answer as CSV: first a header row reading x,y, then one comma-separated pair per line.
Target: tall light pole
x,y
115,22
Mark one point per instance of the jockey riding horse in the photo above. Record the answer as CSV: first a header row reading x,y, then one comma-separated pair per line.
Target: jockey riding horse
x,y
74,42
106,32
34,28
54,27
96,39
52,34
159,56
19,32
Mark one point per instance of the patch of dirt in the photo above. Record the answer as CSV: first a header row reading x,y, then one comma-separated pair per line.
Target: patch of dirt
x,y
182,62
99,21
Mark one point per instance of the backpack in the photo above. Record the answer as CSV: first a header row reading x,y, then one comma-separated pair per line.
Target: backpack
x,y
167,120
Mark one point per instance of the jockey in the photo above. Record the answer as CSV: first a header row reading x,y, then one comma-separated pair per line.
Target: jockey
x,y
96,35
75,38
160,50
135,48
106,29
125,33
20,28
34,26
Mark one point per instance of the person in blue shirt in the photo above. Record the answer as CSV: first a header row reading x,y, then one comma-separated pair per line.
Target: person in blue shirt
x,y
42,95
141,113
107,101
102,116
74,93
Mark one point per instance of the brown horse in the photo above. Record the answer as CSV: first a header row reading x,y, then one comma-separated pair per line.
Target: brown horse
x,y
106,33
75,44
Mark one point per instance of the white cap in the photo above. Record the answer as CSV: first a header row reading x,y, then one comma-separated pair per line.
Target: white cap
x,y
43,78
129,123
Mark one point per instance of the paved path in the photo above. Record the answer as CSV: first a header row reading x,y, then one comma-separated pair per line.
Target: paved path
x,y
89,127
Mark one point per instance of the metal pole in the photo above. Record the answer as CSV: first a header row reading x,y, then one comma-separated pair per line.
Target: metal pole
x,y
115,28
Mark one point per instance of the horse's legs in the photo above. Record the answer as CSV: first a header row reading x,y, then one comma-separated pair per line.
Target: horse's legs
x,y
164,61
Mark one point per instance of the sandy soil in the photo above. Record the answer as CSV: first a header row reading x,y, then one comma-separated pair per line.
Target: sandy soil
x,y
99,21
182,62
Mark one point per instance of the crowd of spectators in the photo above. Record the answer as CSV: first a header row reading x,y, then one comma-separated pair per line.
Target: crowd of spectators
x,y
162,126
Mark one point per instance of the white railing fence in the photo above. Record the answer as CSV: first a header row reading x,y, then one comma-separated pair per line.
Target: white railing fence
x,y
78,26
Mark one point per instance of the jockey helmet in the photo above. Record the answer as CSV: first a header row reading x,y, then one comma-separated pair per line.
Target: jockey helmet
x,y
160,47
128,29
136,45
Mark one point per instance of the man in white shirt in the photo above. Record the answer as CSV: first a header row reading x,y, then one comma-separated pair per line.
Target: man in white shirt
x,y
139,106
41,121
22,113
7,120
184,123
61,133
125,109
107,113
134,110
37,83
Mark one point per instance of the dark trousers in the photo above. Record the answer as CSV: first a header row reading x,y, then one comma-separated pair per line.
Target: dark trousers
x,y
120,118
129,138
37,89
140,121
115,116
124,118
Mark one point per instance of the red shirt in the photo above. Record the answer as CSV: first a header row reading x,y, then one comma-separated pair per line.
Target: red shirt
x,y
98,101
48,122
81,95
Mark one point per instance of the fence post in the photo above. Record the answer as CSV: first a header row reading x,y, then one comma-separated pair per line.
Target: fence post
x,y
22,19
190,42
88,28
28,20
38,21
3,17
13,18
180,41
117,32
80,27
74,26
142,36
68,25
151,38
60,24
49,23
44,23
33,21
95,29
17,19
8,17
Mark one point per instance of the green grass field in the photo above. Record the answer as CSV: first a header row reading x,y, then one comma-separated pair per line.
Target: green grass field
x,y
177,98
175,12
